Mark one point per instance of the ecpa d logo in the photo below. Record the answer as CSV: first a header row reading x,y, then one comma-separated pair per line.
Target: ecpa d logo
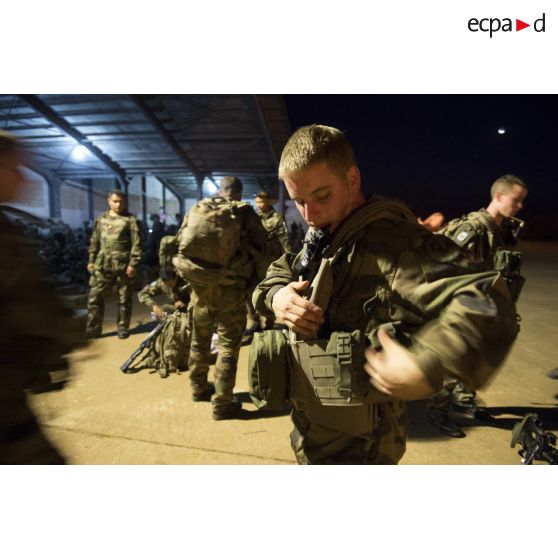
x,y
492,25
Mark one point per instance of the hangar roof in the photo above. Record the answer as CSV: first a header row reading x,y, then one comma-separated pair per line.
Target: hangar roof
x,y
183,140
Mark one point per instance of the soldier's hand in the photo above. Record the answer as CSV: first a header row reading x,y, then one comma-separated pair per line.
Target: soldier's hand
x,y
158,311
394,371
91,267
179,304
130,271
298,313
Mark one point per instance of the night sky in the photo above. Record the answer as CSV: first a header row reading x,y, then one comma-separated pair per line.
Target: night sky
x,y
443,152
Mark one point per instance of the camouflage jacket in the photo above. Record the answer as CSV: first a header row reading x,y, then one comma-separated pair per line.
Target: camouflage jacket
x,y
481,236
277,233
115,242
180,292
396,272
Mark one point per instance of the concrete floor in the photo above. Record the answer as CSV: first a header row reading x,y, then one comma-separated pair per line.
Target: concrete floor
x,y
107,417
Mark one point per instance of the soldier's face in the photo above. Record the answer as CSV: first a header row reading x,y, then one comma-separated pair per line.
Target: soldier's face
x,y
262,204
323,198
510,203
116,203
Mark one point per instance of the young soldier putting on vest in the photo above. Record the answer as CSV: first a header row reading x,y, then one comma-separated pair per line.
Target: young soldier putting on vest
x,y
114,255
222,246
393,285
489,235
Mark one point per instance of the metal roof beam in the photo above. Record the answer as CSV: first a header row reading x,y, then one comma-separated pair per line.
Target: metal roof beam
x,y
59,122
142,105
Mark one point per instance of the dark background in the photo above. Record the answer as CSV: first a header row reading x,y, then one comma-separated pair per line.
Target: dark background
x,y
443,152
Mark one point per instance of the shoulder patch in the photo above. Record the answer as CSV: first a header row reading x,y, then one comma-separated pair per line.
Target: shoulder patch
x,y
441,249
463,234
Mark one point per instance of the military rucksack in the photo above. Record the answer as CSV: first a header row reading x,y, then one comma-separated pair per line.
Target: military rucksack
x,y
209,241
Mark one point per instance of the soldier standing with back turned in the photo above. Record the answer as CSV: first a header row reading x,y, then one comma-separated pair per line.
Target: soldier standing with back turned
x,y
222,249
114,255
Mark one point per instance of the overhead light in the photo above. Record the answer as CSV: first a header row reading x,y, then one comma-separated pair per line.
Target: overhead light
x,y
80,152
501,131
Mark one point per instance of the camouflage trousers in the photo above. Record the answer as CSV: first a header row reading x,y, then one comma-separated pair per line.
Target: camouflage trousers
x,y
221,308
171,349
376,434
453,391
101,283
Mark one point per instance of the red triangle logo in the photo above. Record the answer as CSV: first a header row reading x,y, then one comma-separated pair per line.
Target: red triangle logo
x,y
519,25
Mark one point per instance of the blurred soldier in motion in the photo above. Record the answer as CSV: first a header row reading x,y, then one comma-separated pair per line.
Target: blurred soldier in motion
x,y
222,249
36,330
489,235
114,255
277,244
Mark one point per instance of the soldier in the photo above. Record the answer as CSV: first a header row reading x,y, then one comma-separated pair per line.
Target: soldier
x,y
36,330
222,248
114,255
172,347
489,235
386,274
278,244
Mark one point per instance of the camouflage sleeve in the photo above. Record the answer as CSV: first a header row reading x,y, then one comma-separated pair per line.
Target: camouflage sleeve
x,y
467,237
94,243
148,293
471,319
135,235
279,274
256,237
284,237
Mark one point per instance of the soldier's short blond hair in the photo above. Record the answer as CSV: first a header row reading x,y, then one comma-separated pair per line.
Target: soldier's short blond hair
x,y
505,184
314,144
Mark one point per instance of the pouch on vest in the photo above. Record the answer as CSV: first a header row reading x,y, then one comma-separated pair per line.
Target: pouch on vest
x,y
268,370
331,371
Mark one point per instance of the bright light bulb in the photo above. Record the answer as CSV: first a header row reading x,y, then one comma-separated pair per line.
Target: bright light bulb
x,y
501,131
80,152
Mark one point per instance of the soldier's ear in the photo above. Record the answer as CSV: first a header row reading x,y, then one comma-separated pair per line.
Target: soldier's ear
x,y
353,178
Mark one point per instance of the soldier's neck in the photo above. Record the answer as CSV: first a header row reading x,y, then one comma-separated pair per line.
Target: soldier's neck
x,y
494,213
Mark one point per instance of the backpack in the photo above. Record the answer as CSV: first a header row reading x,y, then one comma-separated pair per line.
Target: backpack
x,y
209,241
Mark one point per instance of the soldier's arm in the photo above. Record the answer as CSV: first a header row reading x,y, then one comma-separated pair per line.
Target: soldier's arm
x,y
94,243
135,251
284,237
256,237
467,237
147,295
279,296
